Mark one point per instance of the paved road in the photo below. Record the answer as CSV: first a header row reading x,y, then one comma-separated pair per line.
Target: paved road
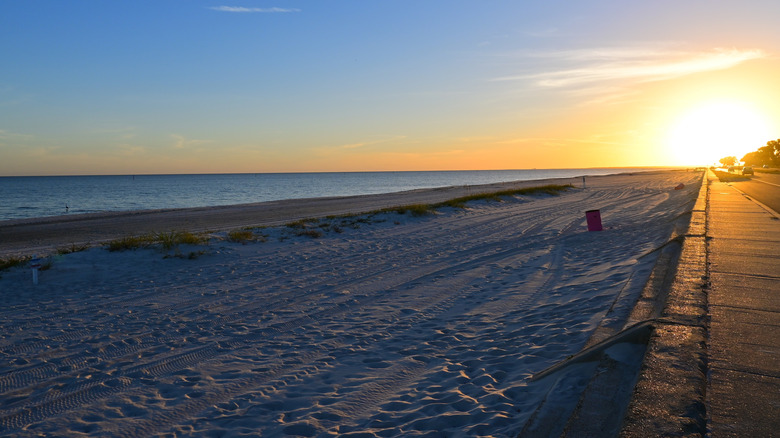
x,y
764,187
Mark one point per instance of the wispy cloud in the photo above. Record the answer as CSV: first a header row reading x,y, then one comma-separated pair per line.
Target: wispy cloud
x,y
244,10
13,137
370,143
181,142
587,66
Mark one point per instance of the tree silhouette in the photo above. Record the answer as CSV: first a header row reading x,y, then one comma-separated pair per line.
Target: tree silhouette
x,y
728,161
765,155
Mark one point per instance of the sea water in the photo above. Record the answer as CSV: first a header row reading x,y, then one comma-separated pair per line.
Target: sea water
x,y
38,196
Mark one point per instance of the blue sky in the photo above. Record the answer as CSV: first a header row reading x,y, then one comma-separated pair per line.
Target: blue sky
x,y
190,86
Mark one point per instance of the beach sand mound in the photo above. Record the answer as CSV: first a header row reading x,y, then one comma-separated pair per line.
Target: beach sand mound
x,y
393,325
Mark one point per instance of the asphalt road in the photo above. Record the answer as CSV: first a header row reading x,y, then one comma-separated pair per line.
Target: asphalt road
x,y
763,187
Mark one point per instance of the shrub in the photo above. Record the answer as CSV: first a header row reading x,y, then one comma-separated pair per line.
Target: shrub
x,y
302,223
413,209
167,240
130,242
242,236
71,249
173,239
314,234
13,261
551,189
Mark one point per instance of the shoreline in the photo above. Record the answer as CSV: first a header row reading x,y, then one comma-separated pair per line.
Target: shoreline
x,y
24,237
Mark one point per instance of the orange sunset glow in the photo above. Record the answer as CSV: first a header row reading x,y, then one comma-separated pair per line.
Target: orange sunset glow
x,y
511,87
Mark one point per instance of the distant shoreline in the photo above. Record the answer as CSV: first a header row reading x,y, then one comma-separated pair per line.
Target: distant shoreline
x,y
48,196
46,234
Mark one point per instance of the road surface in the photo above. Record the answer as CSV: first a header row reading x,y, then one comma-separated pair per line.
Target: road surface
x,y
764,188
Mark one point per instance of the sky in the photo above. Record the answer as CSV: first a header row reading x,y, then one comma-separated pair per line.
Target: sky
x,y
223,86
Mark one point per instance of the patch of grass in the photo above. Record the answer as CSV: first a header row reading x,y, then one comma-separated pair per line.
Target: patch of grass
x,y
426,209
315,227
242,236
167,241
550,189
13,261
302,223
71,249
309,227
172,239
314,234
413,209
730,177
130,242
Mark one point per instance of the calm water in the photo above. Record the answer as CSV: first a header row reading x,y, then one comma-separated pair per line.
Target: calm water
x,y
37,196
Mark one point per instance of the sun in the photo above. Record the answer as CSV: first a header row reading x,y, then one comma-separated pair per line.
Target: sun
x,y
714,130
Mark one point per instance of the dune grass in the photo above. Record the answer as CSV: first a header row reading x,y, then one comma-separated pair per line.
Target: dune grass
x,y
308,227
425,209
166,240
550,189
72,248
242,236
316,227
11,262
413,209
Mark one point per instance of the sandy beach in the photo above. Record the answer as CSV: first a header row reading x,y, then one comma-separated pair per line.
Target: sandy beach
x,y
24,237
379,326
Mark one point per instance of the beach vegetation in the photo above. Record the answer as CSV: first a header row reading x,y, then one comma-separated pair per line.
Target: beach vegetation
x,y
173,239
412,209
302,223
309,227
244,236
63,250
11,262
550,189
166,240
313,233
316,227
130,243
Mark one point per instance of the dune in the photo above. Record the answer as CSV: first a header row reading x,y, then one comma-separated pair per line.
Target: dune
x,y
383,325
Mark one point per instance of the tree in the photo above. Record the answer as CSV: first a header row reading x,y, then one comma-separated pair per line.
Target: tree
x,y
753,159
775,145
728,161
765,155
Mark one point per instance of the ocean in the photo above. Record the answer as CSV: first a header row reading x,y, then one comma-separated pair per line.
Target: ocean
x,y
38,196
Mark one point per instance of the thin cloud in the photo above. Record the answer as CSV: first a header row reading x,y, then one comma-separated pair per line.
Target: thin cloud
x,y
370,143
181,142
244,10
643,65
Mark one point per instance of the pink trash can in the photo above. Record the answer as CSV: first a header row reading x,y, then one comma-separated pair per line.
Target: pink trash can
x,y
594,220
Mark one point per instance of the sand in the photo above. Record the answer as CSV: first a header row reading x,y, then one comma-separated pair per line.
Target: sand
x,y
385,325
24,237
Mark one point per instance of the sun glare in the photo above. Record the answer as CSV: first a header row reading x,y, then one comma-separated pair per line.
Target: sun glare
x,y
710,132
